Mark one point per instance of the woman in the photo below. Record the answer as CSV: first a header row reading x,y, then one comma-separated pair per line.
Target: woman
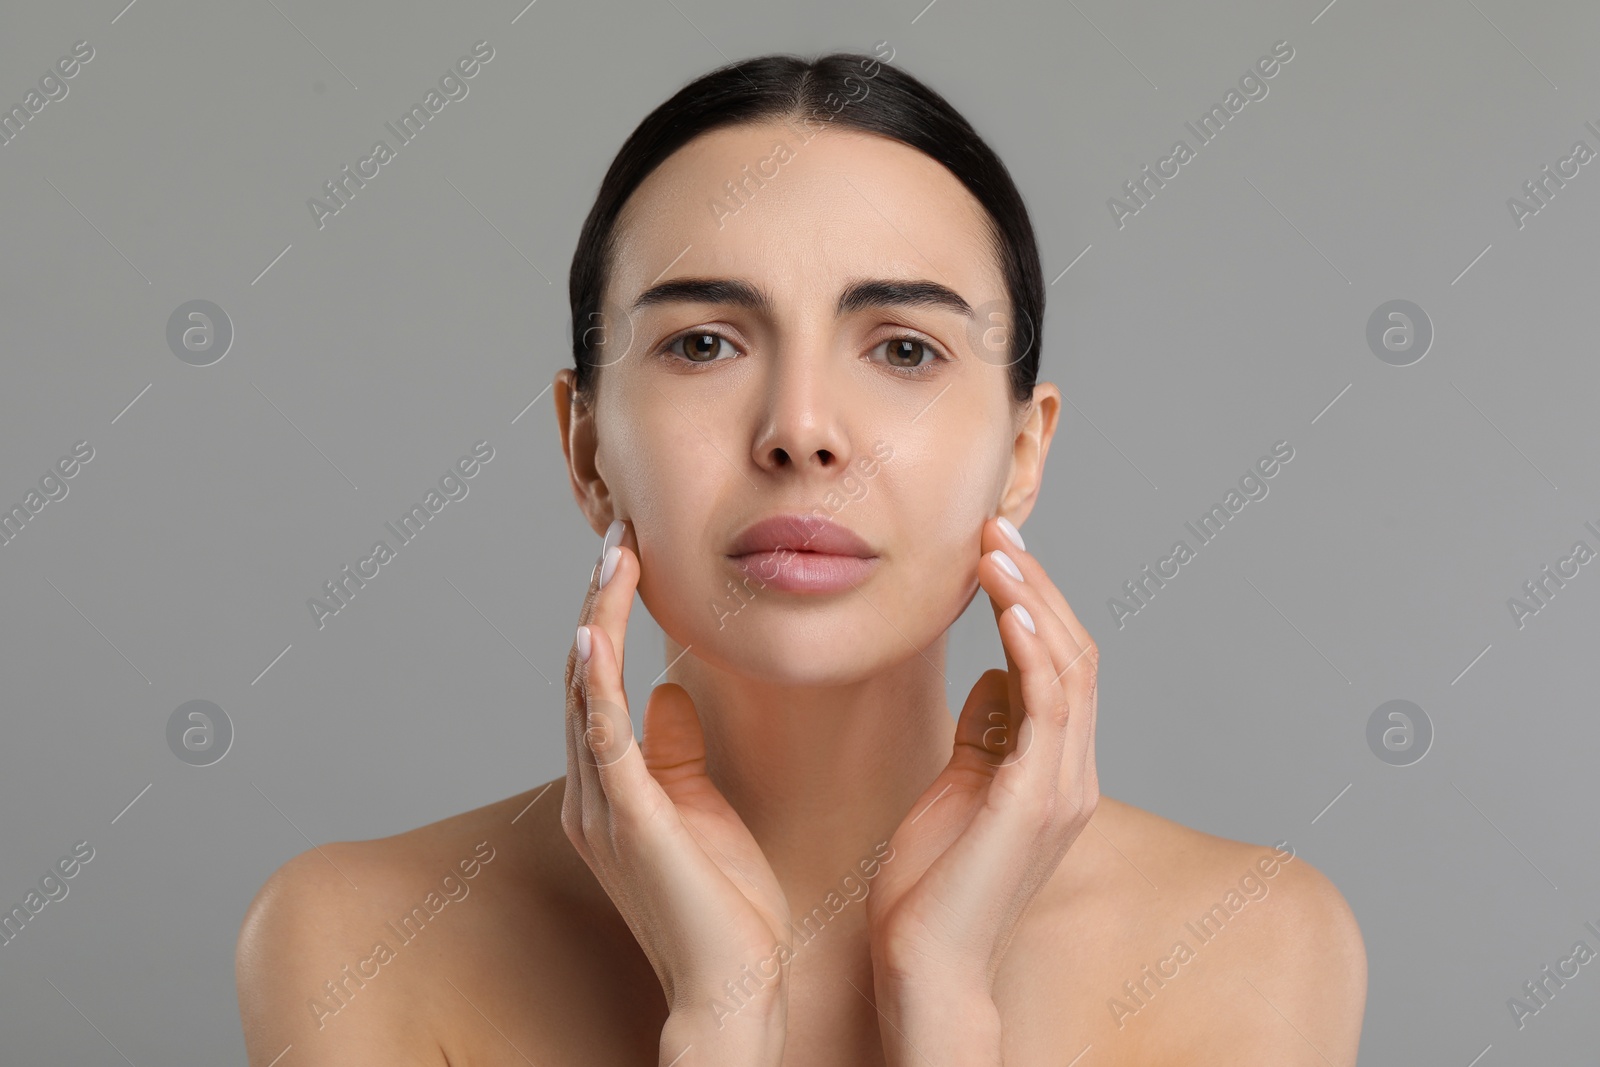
x,y
804,413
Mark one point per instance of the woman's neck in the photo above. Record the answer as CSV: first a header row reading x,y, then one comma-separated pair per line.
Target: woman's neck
x,y
821,776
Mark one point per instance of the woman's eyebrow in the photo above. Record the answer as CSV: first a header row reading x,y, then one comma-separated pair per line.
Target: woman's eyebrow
x,y
858,295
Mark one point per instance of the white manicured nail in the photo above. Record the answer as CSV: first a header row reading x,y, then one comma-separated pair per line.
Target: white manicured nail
x,y
1010,531
1007,564
613,536
584,645
609,567
1022,615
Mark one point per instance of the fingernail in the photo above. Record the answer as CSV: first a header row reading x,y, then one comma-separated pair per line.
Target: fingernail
x,y
1011,532
594,571
1022,615
613,536
1007,564
583,644
609,567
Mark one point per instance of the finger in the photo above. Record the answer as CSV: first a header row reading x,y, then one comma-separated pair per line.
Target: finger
x,y
599,606
619,786
1076,656
674,743
576,713
1032,768
580,760
618,564
1071,655
986,730
1036,576
1005,591
612,536
1059,705
611,605
1000,603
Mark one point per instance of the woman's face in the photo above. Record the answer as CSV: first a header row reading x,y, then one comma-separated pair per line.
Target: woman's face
x,y
891,418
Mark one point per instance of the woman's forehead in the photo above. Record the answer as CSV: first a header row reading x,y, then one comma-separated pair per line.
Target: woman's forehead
x,y
765,204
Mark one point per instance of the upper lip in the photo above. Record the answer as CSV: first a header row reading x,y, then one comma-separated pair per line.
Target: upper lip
x,y
800,533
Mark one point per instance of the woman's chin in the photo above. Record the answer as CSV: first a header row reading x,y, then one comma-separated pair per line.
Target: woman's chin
x,y
803,639
824,666
815,652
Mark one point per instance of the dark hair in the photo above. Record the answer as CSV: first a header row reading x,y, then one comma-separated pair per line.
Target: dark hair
x,y
778,87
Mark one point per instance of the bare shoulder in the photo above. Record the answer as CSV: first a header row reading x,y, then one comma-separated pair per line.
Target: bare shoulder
x,y
1226,950
349,951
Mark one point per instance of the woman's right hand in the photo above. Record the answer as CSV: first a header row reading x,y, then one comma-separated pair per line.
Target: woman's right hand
x,y
680,865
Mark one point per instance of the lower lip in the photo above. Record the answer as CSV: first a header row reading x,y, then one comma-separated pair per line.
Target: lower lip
x,y
805,572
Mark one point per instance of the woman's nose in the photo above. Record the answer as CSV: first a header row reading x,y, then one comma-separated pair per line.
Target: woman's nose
x,y
804,412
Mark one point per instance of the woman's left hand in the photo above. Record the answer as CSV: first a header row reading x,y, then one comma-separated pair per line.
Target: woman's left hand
x,y
992,828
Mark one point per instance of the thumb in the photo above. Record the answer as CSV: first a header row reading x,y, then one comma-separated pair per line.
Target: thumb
x,y
674,745
985,730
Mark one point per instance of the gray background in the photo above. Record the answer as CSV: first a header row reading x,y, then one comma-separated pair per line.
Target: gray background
x,y
1229,314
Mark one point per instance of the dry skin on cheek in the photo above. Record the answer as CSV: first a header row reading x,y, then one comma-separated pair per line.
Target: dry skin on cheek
x,y
667,480
952,489
932,498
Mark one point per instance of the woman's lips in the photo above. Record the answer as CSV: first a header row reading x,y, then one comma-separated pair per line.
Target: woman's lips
x,y
806,572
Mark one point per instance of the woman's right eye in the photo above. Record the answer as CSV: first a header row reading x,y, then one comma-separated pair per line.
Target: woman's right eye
x,y
699,346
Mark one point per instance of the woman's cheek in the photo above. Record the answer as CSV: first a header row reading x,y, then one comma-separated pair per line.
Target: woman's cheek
x,y
679,572
952,534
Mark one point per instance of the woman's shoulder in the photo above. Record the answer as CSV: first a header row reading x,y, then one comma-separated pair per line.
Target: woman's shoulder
x,y
1204,935
339,881
343,948
1209,874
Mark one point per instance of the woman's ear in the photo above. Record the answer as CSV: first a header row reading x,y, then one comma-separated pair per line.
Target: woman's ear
x,y
1028,451
579,444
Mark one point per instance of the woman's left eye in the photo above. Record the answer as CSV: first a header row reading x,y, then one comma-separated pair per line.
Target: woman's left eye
x,y
907,353
700,346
